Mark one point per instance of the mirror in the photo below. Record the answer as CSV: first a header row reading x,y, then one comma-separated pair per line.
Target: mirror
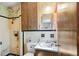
x,y
46,22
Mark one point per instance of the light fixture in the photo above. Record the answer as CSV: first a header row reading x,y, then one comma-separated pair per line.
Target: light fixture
x,y
48,8
62,6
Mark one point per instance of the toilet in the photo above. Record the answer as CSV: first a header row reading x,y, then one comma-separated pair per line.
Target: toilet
x,y
30,47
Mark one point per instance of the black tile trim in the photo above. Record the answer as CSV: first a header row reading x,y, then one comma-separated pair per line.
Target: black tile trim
x,y
38,30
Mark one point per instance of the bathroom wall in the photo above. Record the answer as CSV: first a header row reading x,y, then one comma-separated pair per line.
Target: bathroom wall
x,y
4,31
35,36
67,29
15,11
68,42
15,40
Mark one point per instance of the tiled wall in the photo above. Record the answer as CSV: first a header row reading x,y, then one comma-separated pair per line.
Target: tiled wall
x,y
67,39
36,35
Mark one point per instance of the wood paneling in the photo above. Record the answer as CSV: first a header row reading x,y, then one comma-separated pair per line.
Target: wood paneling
x,y
32,16
67,29
39,52
29,15
78,28
67,17
24,15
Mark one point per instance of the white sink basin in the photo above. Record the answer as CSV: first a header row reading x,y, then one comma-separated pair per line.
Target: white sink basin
x,y
44,44
47,46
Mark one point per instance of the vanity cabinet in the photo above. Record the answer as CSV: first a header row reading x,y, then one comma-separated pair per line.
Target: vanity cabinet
x,y
39,52
29,15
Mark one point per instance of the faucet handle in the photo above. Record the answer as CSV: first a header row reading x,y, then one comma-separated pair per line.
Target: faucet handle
x,y
57,45
54,41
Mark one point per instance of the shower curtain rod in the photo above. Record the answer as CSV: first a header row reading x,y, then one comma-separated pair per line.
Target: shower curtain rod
x,y
10,17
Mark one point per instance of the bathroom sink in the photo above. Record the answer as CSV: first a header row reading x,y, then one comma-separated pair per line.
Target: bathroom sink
x,y
44,44
48,46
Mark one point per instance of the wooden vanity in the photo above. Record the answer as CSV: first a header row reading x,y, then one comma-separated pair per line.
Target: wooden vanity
x,y
40,52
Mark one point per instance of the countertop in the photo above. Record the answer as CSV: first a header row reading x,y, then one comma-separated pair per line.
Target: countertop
x,y
62,49
52,48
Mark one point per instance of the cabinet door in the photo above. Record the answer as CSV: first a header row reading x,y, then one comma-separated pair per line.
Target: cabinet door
x,y
29,15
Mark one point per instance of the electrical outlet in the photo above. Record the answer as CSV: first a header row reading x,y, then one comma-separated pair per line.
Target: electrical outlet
x,y
42,35
52,35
